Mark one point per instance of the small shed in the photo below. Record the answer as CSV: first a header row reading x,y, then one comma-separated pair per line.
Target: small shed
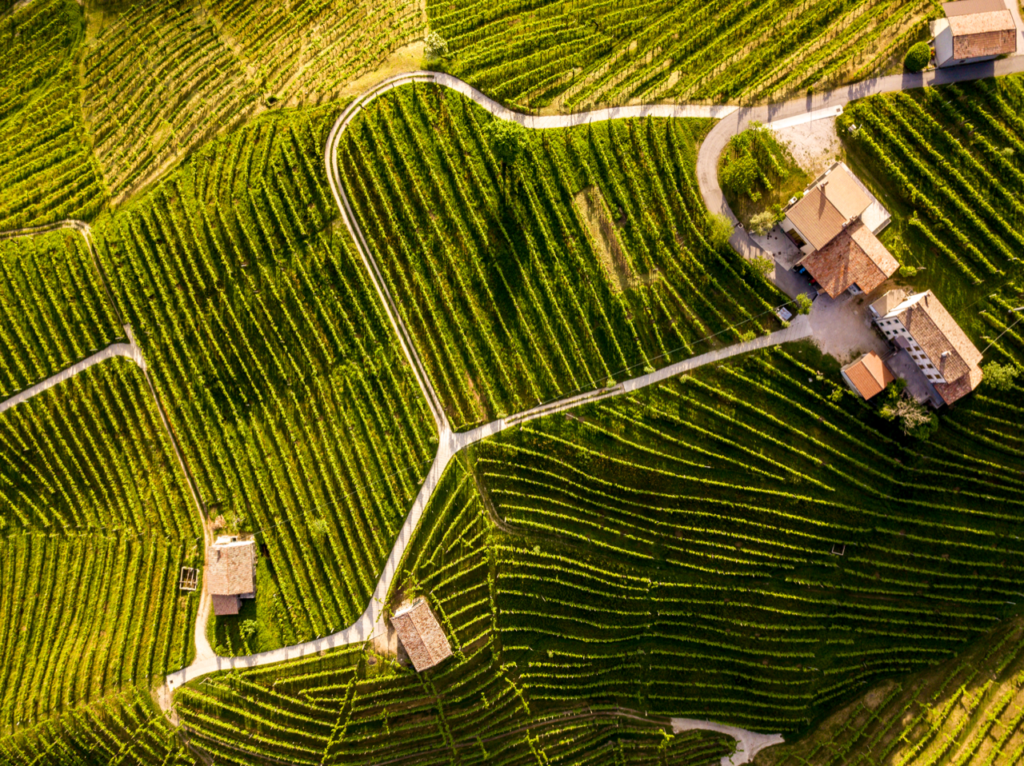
x,y
867,375
973,30
421,635
230,573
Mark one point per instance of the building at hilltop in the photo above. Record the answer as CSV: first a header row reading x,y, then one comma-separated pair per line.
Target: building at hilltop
x,y
919,326
421,635
867,375
835,225
230,573
973,30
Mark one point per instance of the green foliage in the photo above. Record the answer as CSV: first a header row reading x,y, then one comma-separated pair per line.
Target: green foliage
x,y
762,266
1000,376
532,53
436,46
912,416
720,229
917,57
509,302
763,222
908,272
740,177
508,141
803,304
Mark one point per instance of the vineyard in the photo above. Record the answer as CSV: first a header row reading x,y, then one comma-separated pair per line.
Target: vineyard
x,y
358,706
307,51
949,163
53,311
532,54
750,543
47,172
968,711
585,261
96,525
292,403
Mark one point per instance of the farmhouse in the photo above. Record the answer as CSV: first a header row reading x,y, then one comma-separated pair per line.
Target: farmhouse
x,y
973,30
920,326
230,573
867,375
421,636
834,225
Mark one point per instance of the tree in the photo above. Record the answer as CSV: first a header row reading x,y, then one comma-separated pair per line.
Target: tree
x,y
908,272
914,420
719,230
762,266
999,376
763,222
247,629
918,57
740,177
803,304
508,140
436,46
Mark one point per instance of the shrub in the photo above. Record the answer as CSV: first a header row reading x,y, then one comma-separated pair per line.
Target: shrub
x,y
803,304
719,230
763,222
918,57
999,376
762,266
436,46
740,177
908,272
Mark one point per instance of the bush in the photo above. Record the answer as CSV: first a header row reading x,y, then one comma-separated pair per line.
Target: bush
x,y
762,266
999,376
908,272
763,222
436,46
803,304
740,177
918,57
719,230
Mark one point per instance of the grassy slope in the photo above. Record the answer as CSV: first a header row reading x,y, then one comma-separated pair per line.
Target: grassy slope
x,y
501,281
46,170
98,523
289,396
358,706
543,53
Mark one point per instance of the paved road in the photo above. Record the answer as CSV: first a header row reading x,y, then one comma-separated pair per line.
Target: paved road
x,y
749,743
736,122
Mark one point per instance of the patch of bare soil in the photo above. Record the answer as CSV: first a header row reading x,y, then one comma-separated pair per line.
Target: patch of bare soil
x,y
814,145
408,58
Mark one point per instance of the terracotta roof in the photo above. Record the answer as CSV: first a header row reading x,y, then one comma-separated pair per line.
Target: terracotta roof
x,y
420,634
967,46
944,343
959,388
970,7
856,256
223,605
868,375
231,568
817,219
845,193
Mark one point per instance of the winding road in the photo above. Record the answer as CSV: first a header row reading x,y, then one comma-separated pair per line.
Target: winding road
x,y
732,120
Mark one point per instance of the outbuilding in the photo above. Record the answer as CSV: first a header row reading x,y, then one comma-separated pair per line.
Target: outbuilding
x,y
230,573
973,30
421,635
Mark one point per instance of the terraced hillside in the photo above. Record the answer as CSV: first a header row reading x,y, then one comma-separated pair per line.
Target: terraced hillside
x,y
356,705
967,711
678,546
46,170
288,393
96,524
587,260
949,161
573,55
161,78
53,310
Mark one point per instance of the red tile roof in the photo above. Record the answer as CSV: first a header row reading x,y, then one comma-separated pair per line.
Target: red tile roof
x,y
231,568
855,256
868,375
421,635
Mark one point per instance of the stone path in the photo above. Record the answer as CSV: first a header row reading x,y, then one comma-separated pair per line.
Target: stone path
x,y
749,743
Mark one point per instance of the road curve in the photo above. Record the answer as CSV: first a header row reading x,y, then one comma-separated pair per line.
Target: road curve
x,y
736,122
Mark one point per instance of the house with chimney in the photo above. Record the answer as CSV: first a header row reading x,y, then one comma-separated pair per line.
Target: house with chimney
x,y
835,226
919,328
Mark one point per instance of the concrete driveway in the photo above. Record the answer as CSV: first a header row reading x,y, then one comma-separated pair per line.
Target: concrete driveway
x,y
842,327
